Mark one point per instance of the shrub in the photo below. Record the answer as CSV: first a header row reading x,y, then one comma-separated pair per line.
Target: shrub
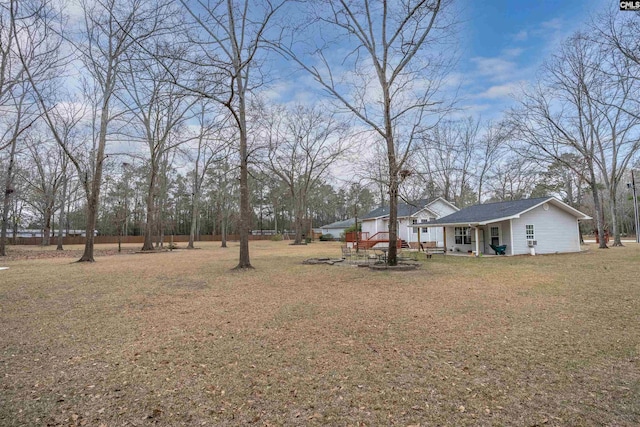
x,y
353,228
326,237
276,237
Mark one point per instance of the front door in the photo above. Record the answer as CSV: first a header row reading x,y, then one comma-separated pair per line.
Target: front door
x,y
495,236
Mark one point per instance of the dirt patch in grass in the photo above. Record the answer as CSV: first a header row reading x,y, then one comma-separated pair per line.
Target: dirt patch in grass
x,y
180,339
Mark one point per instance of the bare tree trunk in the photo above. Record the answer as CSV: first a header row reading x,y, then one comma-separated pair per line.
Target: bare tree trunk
x,y
16,214
223,231
597,204
61,218
148,229
46,235
392,257
245,208
94,195
194,217
8,190
613,205
297,222
92,209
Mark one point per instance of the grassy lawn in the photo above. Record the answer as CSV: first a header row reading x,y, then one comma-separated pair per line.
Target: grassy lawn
x,y
178,339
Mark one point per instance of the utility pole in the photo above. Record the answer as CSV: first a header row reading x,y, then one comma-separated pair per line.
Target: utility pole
x,y
635,207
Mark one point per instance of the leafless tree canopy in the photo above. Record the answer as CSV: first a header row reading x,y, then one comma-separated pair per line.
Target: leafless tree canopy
x,y
185,116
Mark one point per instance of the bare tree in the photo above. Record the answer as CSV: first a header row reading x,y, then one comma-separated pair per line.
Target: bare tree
x,y
45,180
513,178
159,111
231,35
223,184
111,29
208,152
616,36
619,144
489,153
619,31
560,116
395,70
447,155
302,144
63,201
21,45
17,121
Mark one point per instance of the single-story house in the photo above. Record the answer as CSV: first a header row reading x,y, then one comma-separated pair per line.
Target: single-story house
x,y
416,212
540,225
337,228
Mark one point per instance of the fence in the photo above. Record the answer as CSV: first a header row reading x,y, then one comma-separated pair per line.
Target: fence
x,y
79,240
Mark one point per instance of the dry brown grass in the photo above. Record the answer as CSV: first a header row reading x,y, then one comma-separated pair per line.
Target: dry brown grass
x,y
179,339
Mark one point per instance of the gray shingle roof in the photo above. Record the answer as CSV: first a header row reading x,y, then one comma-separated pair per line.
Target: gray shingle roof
x,y
489,211
341,224
404,209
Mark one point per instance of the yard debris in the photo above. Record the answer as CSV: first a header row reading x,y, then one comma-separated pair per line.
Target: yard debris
x,y
418,343
314,261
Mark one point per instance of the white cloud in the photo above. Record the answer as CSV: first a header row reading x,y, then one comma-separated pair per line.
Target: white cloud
x,y
496,68
553,24
521,36
513,52
501,91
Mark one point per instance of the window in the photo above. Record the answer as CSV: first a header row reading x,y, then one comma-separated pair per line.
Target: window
x,y
420,221
463,235
425,229
530,233
495,236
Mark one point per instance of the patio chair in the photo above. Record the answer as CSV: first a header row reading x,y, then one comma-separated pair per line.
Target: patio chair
x,y
346,252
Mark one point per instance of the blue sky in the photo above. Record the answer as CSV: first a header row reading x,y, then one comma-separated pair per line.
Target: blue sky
x,y
503,44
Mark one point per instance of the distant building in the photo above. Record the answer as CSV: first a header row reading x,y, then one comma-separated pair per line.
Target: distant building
x,y
337,228
32,232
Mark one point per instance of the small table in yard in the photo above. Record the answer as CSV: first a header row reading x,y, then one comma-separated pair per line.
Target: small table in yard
x,y
382,257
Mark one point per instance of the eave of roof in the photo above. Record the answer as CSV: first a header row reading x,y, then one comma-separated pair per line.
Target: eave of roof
x,y
484,221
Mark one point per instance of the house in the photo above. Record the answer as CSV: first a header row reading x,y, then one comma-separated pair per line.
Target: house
x,y
420,211
541,225
34,232
336,229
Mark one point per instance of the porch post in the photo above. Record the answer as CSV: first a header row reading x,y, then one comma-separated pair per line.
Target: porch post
x,y
444,239
511,236
477,242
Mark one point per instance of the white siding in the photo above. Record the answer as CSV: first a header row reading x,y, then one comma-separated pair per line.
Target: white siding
x,y
335,232
436,209
425,236
555,231
372,226
506,236
440,208
451,242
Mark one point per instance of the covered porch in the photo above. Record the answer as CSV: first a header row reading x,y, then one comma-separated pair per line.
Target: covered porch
x,y
477,238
